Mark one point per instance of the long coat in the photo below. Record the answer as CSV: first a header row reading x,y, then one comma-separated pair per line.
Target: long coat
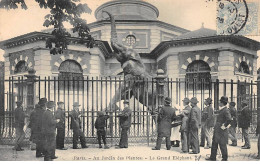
x,y
233,113
195,118
125,118
19,117
36,123
48,122
223,117
75,120
165,118
207,116
60,114
244,118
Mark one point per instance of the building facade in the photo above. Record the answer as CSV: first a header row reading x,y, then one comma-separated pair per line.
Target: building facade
x,y
184,55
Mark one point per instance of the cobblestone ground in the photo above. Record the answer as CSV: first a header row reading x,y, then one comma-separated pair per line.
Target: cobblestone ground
x,y
133,153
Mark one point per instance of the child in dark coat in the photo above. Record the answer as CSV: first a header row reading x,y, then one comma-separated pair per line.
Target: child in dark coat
x,y
100,125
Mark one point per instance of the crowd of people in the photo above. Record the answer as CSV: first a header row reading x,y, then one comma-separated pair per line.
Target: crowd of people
x,y
179,127
191,119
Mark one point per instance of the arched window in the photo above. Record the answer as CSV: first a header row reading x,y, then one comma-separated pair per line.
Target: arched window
x,y
69,70
21,67
243,68
199,72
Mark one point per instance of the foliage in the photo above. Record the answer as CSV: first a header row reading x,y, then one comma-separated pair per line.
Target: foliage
x,y
60,11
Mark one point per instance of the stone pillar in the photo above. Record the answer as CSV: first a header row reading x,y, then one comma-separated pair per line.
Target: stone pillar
x,y
95,62
226,70
42,60
155,37
160,83
30,99
173,72
258,102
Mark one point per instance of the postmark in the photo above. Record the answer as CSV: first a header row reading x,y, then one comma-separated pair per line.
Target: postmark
x,y
237,17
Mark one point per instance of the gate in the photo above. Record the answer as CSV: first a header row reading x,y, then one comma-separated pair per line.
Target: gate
x,y
95,94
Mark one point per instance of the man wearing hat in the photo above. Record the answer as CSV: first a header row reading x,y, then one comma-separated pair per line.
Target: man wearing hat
x,y
125,124
175,135
36,127
19,117
244,119
194,125
76,126
232,129
49,129
165,117
184,129
220,135
207,122
60,114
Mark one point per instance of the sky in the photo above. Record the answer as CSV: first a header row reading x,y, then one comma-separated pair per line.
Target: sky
x,y
188,14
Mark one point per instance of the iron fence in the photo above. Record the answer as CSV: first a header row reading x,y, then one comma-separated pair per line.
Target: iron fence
x,y
96,94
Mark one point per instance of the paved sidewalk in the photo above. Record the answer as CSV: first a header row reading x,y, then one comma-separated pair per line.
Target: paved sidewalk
x,y
133,153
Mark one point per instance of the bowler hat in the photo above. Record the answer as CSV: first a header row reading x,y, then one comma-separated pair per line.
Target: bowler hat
x,y
208,100
76,104
42,101
50,104
19,103
224,99
126,102
194,100
60,102
168,100
186,100
232,103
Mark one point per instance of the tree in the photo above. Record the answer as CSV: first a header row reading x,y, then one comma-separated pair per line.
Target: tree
x,y
61,11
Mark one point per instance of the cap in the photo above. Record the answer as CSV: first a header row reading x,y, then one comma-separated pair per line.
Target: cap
x,y
194,100
232,103
168,100
50,104
100,113
76,104
186,100
209,100
19,103
60,102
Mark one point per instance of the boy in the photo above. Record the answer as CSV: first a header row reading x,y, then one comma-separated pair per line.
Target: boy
x,y
100,125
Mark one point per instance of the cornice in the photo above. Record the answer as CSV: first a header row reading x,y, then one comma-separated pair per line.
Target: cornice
x,y
236,40
138,23
39,36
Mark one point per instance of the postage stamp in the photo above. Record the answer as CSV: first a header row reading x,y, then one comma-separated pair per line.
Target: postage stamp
x,y
238,17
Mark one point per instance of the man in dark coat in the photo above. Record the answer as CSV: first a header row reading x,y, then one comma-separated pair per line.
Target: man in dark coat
x,y
100,125
49,131
232,129
185,140
19,117
76,126
60,114
125,124
244,119
165,118
194,125
220,135
36,127
207,122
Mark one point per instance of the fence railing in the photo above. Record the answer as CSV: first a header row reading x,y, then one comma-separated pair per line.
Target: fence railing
x,y
98,94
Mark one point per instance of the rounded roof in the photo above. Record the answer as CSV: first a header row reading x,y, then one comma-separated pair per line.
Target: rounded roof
x,y
202,32
128,10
